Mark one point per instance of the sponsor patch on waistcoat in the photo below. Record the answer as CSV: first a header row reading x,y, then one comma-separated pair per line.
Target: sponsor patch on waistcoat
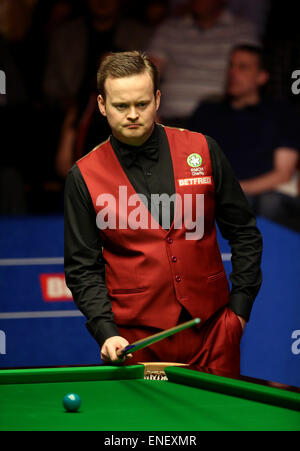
x,y
195,181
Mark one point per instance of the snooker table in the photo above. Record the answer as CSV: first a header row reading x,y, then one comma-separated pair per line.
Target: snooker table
x,y
118,398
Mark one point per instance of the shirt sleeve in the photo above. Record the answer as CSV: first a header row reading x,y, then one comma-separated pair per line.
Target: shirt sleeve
x,y
287,120
237,224
83,261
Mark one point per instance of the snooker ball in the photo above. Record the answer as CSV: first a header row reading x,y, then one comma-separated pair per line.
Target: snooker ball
x,y
71,402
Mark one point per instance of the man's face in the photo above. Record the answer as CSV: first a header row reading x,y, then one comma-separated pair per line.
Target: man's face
x,y
245,76
204,8
130,107
103,8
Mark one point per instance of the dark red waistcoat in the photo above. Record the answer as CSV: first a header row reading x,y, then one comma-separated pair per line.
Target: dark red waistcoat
x,y
152,272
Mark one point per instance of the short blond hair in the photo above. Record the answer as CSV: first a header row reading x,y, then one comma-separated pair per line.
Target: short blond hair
x,y
125,64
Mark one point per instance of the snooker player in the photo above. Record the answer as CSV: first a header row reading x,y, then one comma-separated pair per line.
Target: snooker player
x,y
133,262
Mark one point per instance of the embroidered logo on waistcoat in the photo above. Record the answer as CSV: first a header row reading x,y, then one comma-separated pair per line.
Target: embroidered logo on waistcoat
x,y
194,160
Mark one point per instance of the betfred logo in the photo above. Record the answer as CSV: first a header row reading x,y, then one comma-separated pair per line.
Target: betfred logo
x,y
54,288
195,181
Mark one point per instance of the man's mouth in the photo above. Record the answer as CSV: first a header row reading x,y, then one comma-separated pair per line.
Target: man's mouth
x,y
132,126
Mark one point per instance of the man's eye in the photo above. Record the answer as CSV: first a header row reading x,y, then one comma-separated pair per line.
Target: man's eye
x,y
121,107
142,104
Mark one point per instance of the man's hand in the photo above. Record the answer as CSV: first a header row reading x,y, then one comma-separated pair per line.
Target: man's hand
x,y
242,321
110,348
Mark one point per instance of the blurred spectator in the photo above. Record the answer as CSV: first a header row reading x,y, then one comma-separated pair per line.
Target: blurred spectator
x,y
27,124
48,17
71,78
138,25
192,53
84,127
255,11
51,14
259,136
15,109
282,42
76,49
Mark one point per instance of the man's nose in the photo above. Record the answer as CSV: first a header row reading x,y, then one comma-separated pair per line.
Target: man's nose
x,y
132,114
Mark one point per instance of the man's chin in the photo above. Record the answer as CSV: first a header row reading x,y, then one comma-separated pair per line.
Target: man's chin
x,y
234,93
138,133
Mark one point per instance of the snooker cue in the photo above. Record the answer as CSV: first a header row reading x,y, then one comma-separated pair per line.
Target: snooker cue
x,y
143,343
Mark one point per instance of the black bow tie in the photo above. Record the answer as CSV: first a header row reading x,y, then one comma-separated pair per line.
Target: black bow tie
x,y
147,150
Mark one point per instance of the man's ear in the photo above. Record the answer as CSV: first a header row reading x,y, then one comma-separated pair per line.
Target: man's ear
x,y
157,99
263,77
101,105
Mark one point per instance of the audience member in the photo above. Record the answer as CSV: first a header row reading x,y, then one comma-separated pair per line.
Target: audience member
x,y
15,108
282,43
258,135
70,81
256,11
192,53
48,17
25,118
84,127
138,25
75,51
